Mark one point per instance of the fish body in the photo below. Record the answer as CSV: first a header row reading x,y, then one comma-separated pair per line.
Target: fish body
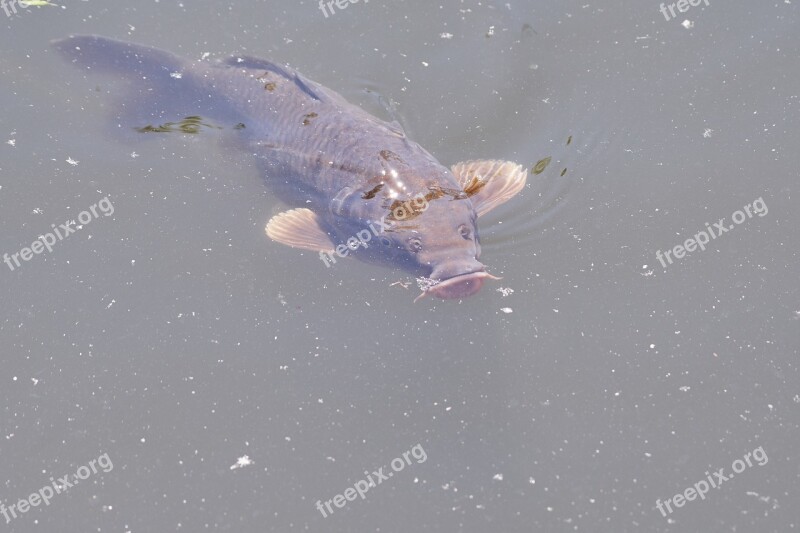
x,y
353,174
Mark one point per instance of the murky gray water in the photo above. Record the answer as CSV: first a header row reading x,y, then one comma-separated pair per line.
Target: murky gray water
x,y
203,378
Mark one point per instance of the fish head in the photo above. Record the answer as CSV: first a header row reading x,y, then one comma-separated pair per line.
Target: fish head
x,y
438,235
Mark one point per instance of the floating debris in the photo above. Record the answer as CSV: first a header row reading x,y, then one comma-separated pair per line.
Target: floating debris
x,y
426,283
191,124
36,3
505,291
242,462
540,165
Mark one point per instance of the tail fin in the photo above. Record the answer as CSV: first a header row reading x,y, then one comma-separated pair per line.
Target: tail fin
x,y
159,91
108,55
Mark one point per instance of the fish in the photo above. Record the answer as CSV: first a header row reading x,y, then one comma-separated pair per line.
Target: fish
x,y
346,172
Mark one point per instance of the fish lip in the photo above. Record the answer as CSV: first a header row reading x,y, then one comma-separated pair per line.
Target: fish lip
x,y
459,286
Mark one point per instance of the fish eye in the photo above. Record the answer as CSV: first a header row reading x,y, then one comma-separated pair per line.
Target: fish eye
x,y
465,232
416,244
385,241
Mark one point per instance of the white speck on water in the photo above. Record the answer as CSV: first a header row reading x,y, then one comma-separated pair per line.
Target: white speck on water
x,y
764,499
446,35
176,75
498,477
685,388
505,291
242,462
11,142
707,133
507,310
426,283
72,161
688,24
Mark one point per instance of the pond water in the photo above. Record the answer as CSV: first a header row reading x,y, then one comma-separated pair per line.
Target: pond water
x,y
197,376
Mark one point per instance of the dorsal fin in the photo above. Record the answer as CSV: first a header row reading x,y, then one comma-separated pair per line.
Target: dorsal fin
x,y
257,63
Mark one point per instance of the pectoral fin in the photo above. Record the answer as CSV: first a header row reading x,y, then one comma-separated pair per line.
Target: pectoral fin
x,y
489,183
300,228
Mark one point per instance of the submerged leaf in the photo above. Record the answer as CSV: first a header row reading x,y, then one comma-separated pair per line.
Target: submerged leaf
x,y
37,3
539,167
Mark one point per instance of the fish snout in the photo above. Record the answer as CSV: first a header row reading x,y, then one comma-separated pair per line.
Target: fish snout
x,y
457,281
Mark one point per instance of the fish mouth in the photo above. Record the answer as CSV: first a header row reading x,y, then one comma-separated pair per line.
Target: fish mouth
x,y
458,286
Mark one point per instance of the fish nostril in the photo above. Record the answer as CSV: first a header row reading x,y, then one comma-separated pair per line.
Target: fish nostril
x,y
465,232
